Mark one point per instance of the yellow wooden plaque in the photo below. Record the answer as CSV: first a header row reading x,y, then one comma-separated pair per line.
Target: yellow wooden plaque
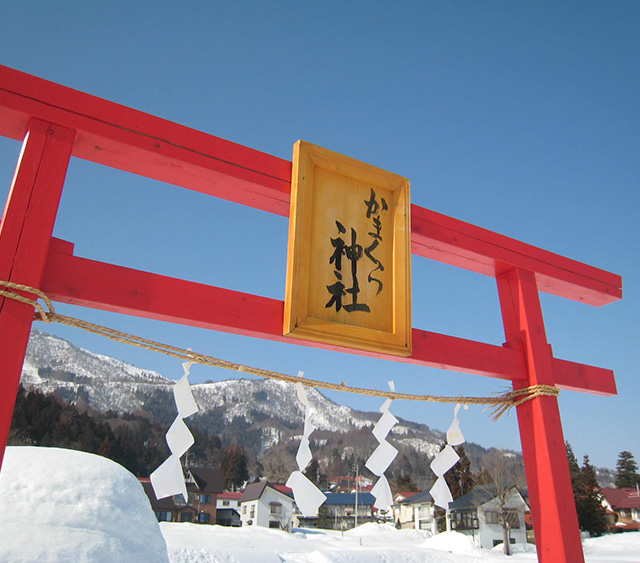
x,y
349,257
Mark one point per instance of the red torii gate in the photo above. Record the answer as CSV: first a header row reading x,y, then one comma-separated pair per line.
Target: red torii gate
x,y
55,123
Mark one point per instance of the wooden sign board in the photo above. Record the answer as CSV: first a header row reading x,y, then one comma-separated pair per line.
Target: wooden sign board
x,y
349,259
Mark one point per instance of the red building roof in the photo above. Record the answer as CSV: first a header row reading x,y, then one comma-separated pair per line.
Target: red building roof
x,y
230,496
406,494
622,498
282,488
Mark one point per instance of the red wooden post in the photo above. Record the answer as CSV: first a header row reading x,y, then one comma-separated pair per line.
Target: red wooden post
x,y
25,234
543,446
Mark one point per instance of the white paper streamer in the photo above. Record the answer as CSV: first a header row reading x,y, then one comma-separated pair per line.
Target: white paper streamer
x,y
386,422
383,455
307,496
454,434
381,458
445,460
168,479
441,493
382,491
185,402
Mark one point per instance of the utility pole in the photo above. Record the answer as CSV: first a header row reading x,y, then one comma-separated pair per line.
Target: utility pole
x,y
356,469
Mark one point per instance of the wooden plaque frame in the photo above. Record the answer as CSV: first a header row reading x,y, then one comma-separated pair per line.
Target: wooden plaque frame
x,y
349,258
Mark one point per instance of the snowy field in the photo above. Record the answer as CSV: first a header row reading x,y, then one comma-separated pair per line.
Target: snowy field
x,y
63,505
370,543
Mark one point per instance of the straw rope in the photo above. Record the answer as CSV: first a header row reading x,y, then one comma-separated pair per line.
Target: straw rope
x,y
501,402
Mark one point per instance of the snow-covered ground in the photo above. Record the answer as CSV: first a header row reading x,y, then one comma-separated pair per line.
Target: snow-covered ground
x,y
370,543
63,505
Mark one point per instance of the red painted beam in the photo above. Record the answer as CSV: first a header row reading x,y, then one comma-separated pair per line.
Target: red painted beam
x,y
88,283
467,246
130,140
134,141
79,281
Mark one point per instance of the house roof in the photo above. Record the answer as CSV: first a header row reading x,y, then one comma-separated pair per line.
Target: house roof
x,y
349,499
401,495
420,496
364,488
227,495
480,495
627,526
622,498
157,504
208,480
254,490
477,497
282,488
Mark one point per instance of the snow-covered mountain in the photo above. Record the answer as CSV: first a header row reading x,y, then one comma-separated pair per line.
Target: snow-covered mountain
x,y
267,407
53,364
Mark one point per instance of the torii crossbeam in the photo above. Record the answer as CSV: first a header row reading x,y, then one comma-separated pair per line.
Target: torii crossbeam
x,y
56,123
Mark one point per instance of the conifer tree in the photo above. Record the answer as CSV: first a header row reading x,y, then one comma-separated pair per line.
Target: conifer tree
x,y
405,482
592,515
313,472
627,471
574,472
46,420
233,465
460,477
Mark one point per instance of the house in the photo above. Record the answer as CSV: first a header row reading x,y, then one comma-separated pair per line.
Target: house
x,y
402,495
203,486
347,484
338,512
401,514
228,509
478,514
416,511
623,508
168,509
267,504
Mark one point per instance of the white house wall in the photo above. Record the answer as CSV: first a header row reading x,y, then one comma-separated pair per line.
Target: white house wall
x,y
424,518
262,509
419,516
490,532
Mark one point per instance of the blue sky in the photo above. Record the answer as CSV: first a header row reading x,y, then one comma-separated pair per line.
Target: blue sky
x,y
519,117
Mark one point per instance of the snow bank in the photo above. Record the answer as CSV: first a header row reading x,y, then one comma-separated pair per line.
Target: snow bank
x,y
613,544
65,505
453,542
369,543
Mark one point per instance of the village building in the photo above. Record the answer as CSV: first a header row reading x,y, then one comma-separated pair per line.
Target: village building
x,y
269,505
339,510
479,515
416,511
228,509
623,508
203,487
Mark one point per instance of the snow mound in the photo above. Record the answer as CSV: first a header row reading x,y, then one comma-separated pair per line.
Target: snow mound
x,y
615,543
371,529
516,548
453,542
65,505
